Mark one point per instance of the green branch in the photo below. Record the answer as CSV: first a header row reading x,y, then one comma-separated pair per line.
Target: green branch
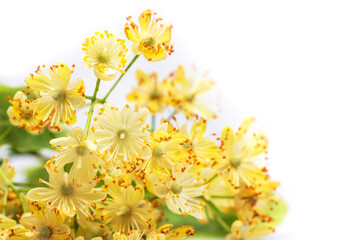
x,y
117,81
93,101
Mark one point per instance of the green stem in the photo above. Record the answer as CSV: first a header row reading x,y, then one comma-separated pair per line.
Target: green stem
x,y
11,185
153,119
31,185
117,81
93,100
212,178
171,116
5,201
6,132
217,214
224,197
76,225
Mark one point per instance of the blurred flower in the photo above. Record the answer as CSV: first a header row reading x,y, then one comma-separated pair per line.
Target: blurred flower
x,y
106,53
180,191
121,133
58,94
240,150
251,202
149,93
8,172
203,151
184,95
153,40
21,114
240,231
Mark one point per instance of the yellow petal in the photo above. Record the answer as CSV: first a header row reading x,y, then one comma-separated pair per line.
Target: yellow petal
x,y
144,21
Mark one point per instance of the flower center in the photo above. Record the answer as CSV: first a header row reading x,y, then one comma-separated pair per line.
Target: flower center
x,y
235,162
122,134
124,211
149,42
155,94
176,188
43,233
58,95
81,150
158,152
189,98
104,56
67,189
27,113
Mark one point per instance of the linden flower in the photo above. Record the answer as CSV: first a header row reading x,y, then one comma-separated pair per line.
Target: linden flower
x,y
121,133
164,232
180,190
76,148
58,95
149,93
252,201
203,150
67,193
21,114
185,95
47,223
106,53
6,171
127,208
153,40
166,149
239,231
239,153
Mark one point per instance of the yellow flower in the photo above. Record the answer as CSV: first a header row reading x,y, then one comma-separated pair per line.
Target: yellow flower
x,y
78,149
58,95
203,150
149,93
185,95
46,223
126,209
251,202
121,133
21,114
180,191
164,232
66,192
167,149
8,171
153,40
240,231
106,53
240,150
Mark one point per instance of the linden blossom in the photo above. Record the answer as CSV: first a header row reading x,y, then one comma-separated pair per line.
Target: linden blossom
x,y
58,95
106,53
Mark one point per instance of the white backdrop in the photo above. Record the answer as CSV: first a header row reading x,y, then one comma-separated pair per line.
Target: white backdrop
x,y
293,65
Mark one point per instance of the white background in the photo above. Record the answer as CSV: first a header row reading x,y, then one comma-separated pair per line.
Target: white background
x,y
293,65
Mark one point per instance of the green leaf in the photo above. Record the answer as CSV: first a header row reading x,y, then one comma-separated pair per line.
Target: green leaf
x,y
20,139
277,211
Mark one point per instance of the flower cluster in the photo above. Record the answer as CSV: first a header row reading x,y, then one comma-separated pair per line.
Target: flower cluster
x,y
119,177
